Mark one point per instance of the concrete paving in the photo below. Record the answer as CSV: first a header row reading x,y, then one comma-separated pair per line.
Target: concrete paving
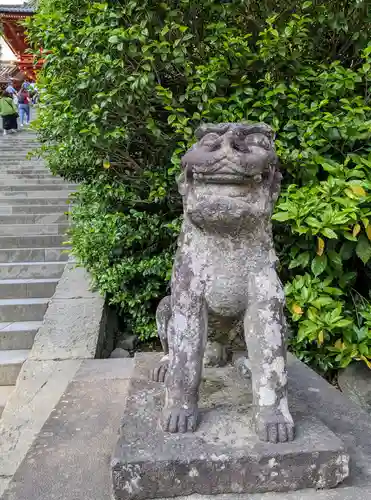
x,y
33,225
70,457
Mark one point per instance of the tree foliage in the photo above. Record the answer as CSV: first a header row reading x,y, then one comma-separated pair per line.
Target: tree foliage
x,y
125,84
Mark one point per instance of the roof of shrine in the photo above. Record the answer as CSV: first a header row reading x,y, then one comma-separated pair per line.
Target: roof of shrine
x,y
9,71
16,9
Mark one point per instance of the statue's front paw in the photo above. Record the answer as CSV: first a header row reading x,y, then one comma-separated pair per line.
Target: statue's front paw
x,y
274,427
180,420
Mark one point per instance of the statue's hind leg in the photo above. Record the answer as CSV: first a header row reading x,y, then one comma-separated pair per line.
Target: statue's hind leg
x,y
265,338
163,316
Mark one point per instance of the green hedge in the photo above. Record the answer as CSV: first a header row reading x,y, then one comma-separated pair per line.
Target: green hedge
x,y
125,84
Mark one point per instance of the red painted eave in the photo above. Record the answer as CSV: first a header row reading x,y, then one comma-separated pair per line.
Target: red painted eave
x,y
14,34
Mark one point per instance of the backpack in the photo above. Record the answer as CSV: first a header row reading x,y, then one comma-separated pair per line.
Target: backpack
x,y
7,107
21,98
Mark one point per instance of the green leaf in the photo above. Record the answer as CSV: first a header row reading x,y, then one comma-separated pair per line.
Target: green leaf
x,y
313,222
288,31
319,264
345,278
281,216
363,249
335,259
303,259
322,301
329,233
113,39
350,237
347,250
342,323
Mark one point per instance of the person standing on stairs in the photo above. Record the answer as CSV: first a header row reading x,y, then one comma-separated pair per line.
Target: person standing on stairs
x,y
9,113
24,106
10,89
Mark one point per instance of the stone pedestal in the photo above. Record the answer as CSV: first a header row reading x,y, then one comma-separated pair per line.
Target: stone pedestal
x,y
224,455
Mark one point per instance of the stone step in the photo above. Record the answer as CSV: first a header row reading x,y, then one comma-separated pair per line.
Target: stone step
x,y
10,365
57,199
34,218
15,145
6,168
23,309
45,241
24,166
20,142
18,335
22,139
14,190
18,147
30,138
29,143
31,270
26,171
5,392
29,176
21,165
23,197
18,151
39,181
34,209
58,254
32,229
9,161
28,288
12,149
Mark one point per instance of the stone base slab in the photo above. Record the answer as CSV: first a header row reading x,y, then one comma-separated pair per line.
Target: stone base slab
x,y
224,455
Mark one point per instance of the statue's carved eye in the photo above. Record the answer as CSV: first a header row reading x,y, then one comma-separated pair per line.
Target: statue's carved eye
x,y
260,140
211,140
240,144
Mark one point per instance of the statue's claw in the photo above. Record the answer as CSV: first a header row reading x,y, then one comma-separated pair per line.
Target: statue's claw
x,y
273,427
180,420
159,373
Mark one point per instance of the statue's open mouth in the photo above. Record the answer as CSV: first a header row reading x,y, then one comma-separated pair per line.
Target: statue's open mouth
x,y
222,178
227,175
226,170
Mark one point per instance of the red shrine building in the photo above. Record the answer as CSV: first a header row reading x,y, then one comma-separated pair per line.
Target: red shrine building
x,y
13,32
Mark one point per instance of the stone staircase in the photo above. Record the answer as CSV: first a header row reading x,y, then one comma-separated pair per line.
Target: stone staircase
x,y
33,223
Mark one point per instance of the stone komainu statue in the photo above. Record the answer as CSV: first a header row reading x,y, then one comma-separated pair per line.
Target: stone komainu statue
x,y
224,273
